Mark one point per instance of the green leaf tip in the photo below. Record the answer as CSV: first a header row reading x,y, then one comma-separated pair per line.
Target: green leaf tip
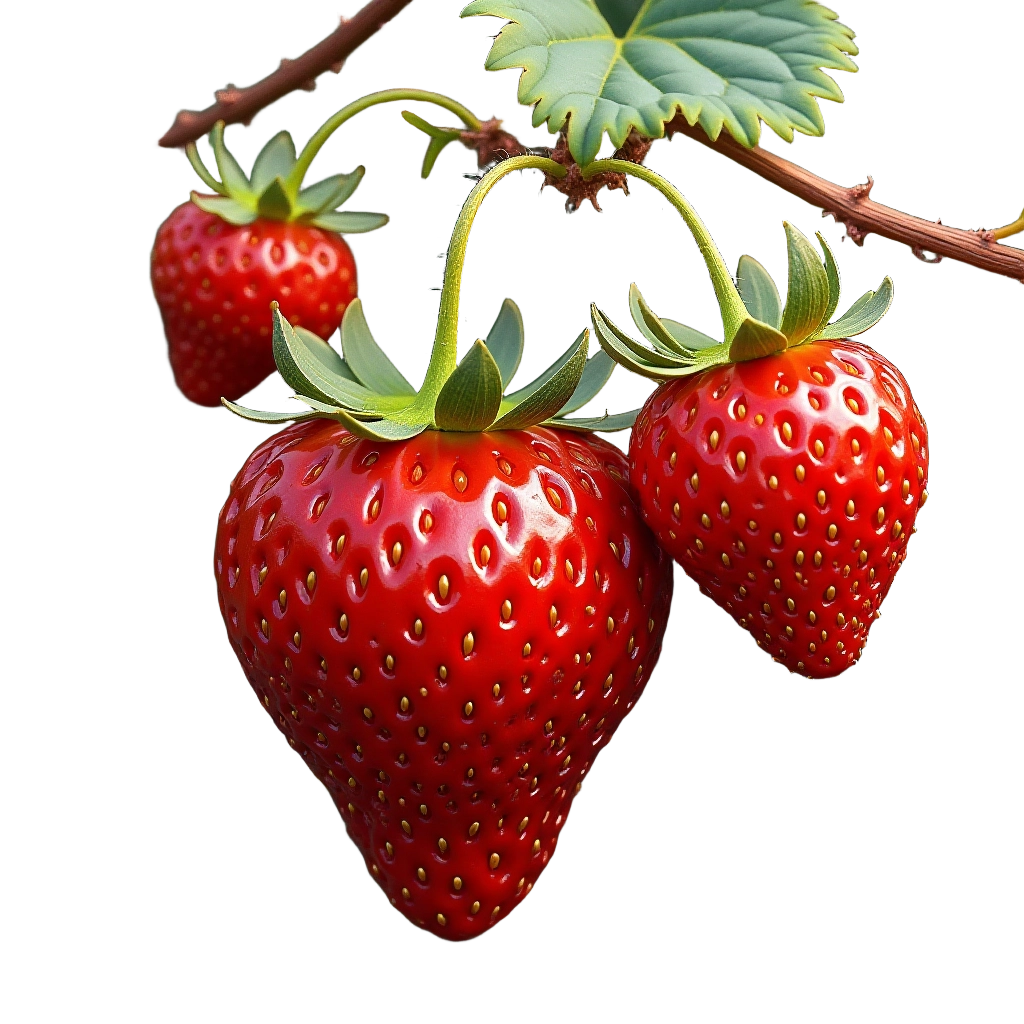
x,y
439,138
609,66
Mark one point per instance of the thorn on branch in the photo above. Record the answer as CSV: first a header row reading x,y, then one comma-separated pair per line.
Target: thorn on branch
x,y
924,256
228,95
858,193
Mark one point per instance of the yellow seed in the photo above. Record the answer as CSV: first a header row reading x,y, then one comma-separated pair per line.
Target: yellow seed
x,y
364,577
502,511
741,411
880,476
297,638
888,435
713,440
311,581
853,404
457,883
675,510
841,619
787,432
801,473
819,449
759,419
460,480
428,522
536,567
905,489
526,650
442,586
485,554
752,524
741,461
417,627
705,520
404,703
421,874
791,604
672,460
467,708
833,531
924,498
817,559
552,615
340,544
799,558
526,821
506,610
821,498
773,482
375,508
880,516
442,845
496,690
406,828
610,624
777,537
474,828
343,624
725,510
830,594
494,860
467,645
607,682
396,553
357,674
569,572
897,528
850,508
817,376
553,497
389,661
801,520
282,600
367,714
855,446
725,560
695,481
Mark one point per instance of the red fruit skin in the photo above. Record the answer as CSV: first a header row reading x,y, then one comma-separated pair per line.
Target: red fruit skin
x,y
486,713
760,518
214,283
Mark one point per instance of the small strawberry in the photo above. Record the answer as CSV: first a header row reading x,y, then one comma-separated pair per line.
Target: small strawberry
x,y
444,598
783,469
219,260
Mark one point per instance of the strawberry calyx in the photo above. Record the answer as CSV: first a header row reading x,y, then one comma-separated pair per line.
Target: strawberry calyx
x,y
755,322
362,389
269,191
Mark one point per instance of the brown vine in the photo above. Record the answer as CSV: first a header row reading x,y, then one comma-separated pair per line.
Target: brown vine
x,y
236,105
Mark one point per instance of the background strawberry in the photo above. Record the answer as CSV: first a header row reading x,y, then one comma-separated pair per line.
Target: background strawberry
x,y
219,260
782,469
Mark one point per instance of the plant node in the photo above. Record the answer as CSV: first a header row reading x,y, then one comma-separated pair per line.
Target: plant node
x,y
576,188
492,143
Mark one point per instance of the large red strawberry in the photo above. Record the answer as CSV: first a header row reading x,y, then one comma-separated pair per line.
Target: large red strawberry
x,y
783,469
445,599
219,260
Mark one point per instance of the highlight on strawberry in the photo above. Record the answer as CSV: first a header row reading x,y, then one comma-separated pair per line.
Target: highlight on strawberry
x,y
219,260
784,467
444,597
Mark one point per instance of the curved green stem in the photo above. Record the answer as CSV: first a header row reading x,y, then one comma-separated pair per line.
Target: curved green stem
x,y
1010,229
733,310
443,354
192,152
335,121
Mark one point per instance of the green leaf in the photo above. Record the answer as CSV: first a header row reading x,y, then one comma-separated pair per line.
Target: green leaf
x,y
607,422
365,357
550,391
758,291
505,340
595,375
267,417
328,194
755,339
379,430
808,294
228,209
832,272
471,396
274,202
231,174
677,340
729,63
439,138
350,223
275,160
862,315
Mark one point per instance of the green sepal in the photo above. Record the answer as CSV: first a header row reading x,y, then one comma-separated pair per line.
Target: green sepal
x,y
349,223
192,152
595,375
256,416
365,357
323,351
307,369
862,315
275,160
328,194
235,181
439,138
834,285
608,422
228,209
274,202
621,347
755,339
758,292
545,396
471,396
505,340
379,430
683,341
808,296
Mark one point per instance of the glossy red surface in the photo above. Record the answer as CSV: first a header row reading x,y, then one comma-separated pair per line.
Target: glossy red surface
x,y
214,283
448,630
787,487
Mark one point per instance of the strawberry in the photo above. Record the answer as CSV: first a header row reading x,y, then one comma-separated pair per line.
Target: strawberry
x,y
219,260
444,598
782,469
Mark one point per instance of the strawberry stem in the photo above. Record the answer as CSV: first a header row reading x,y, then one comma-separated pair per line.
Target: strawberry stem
x,y
733,310
335,121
